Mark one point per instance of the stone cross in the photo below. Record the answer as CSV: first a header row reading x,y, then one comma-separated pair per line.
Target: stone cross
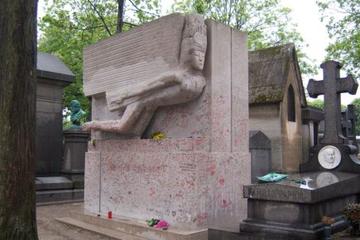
x,y
331,87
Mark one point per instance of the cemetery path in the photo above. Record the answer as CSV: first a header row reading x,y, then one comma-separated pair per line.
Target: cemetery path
x,y
50,229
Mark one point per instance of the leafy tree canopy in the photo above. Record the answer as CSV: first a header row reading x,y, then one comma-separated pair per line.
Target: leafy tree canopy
x,y
267,23
342,18
317,103
70,25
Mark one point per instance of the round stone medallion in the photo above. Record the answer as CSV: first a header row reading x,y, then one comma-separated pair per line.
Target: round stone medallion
x,y
329,157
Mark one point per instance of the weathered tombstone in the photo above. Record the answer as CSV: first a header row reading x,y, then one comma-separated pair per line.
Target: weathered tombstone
x,y
334,150
331,87
348,123
52,77
260,149
294,208
193,178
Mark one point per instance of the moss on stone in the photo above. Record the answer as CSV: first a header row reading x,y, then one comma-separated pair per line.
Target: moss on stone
x,y
271,96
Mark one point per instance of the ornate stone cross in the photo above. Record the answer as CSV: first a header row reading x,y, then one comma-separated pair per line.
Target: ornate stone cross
x,y
331,87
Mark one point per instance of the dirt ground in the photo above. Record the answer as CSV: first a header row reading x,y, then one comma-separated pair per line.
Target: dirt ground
x,y
50,229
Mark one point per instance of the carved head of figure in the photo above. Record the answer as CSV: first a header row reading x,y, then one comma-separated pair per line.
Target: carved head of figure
x,y
76,113
75,106
194,42
330,155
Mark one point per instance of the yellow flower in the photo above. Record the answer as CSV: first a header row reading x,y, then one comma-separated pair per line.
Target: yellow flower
x,y
158,136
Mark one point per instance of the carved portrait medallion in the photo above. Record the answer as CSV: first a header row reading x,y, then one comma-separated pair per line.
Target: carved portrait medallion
x,y
329,157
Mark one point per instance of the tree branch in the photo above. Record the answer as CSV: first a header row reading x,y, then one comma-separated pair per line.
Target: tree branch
x,y
139,9
100,16
120,17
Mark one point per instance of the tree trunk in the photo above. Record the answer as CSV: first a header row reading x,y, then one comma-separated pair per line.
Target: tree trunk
x,y
17,119
120,18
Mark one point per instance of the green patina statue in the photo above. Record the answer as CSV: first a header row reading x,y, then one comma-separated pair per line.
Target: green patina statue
x,y
77,116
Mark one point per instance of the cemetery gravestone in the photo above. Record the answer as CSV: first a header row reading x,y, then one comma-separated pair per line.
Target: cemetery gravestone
x,y
331,87
334,150
293,208
260,149
190,78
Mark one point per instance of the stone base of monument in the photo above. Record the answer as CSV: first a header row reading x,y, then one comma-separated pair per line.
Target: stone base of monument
x,y
75,146
349,162
69,184
129,229
57,188
294,210
177,180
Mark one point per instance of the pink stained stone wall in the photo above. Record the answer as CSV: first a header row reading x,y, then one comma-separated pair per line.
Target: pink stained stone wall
x,y
194,178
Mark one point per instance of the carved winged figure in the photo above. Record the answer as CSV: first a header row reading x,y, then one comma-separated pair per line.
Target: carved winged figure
x,y
183,84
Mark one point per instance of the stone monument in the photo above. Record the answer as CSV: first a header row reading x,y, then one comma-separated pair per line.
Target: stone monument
x,y
77,114
334,151
294,208
260,149
52,77
184,77
75,146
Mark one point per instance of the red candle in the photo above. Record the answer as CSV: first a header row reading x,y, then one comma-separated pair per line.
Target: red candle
x,y
109,214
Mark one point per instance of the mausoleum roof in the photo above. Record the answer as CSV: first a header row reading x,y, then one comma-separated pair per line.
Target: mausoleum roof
x,y
269,73
51,67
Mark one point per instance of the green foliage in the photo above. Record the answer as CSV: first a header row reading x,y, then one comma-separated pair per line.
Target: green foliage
x,y
68,26
267,23
356,103
342,18
317,103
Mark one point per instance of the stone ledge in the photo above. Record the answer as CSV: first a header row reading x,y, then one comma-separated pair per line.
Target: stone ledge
x,y
59,195
324,186
129,229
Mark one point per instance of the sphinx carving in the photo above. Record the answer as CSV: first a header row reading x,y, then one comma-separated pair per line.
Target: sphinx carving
x,y
138,101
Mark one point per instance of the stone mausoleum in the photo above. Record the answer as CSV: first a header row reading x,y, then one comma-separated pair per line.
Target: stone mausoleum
x,y
189,80
184,77
52,77
53,183
276,98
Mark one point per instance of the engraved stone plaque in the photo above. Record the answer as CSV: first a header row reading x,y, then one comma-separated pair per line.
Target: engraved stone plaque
x,y
329,157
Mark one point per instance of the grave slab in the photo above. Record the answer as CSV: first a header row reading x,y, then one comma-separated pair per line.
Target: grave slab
x,y
295,209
